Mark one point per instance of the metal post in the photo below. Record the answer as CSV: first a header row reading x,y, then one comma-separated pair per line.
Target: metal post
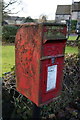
x,y
36,112
78,37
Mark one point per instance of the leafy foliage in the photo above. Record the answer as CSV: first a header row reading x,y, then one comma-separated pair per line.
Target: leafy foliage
x,y
28,19
73,24
9,32
65,107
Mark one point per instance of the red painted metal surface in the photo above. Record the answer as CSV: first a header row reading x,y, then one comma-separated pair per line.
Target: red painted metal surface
x,y
39,61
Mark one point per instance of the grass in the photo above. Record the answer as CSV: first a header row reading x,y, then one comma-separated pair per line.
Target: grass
x,y
71,50
72,37
8,56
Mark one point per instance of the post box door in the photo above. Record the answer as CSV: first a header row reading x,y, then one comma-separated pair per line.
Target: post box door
x,y
52,69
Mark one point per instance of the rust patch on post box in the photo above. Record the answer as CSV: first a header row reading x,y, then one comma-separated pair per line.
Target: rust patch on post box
x,y
28,53
39,50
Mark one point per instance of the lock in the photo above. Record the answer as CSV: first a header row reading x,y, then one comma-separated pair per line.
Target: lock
x,y
53,60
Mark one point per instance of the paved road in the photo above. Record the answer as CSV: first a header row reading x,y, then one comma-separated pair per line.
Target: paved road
x,y
73,34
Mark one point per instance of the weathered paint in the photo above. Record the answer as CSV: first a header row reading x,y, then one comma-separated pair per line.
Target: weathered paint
x,y
35,46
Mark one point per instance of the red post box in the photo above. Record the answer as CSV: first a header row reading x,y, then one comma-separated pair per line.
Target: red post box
x,y
39,60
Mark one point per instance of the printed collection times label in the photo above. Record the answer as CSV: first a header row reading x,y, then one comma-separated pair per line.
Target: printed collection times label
x,y
51,77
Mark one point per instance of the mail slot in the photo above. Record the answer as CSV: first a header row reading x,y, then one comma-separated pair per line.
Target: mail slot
x,y
39,50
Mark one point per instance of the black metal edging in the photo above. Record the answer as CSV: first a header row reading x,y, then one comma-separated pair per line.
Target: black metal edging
x,y
53,24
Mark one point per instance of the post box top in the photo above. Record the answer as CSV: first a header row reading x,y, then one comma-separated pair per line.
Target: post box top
x,y
54,31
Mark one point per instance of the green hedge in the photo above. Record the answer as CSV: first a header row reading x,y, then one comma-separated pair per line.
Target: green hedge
x,y
73,24
9,32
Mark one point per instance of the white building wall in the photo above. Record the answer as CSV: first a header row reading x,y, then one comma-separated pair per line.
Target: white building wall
x,y
79,15
10,22
62,17
74,15
18,22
